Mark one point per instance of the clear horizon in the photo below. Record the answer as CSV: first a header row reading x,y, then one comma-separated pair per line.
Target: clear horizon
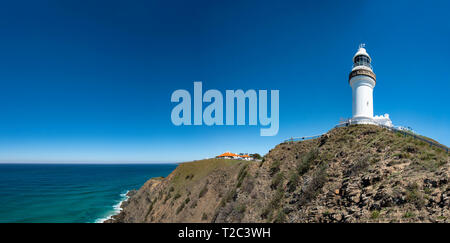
x,y
91,82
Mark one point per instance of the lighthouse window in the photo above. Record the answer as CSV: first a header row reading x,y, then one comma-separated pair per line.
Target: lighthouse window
x,y
362,61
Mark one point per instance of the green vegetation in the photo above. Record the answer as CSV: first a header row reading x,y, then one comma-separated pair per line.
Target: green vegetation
x,y
273,205
375,214
262,162
240,208
150,208
414,196
312,187
275,167
241,175
307,160
408,214
188,174
280,217
194,204
361,164
176,196
255,156
203,191
277,180
293,181
180,208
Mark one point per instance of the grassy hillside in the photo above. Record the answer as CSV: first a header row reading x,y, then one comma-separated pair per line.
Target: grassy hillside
x,y
360,173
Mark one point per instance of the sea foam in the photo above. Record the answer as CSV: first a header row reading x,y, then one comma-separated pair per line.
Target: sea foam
x,y
116,208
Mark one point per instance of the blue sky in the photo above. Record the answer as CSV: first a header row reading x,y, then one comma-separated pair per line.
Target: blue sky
x,y
92,80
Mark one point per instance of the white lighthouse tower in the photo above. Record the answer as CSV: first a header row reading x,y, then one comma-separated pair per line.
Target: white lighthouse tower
x,y
362,79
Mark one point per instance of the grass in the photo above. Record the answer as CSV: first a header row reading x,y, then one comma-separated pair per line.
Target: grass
x,y
277,180
414,196
306,161
241,175
183,175
275,167
229,197
361,164
280,217
408,214
240,208
293,181
312,188
273,205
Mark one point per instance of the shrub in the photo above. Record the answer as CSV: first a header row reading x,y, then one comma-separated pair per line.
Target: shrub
x,y
240,208
276,181
241,175
203,191
273,204
176,196
293,181
256,156
312,187
361,164
262,162
194,204
408,214
414,196
307,160
180,208
167,198
204,216
375,214
281,217
275,167
248,186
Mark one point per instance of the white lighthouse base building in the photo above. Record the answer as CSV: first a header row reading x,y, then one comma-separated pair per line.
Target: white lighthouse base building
x,y
382,120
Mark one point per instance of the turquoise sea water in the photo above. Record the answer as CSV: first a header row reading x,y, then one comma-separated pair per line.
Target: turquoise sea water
x,y
69,192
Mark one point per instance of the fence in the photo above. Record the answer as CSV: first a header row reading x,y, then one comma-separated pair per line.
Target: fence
x,y
410,134
297,139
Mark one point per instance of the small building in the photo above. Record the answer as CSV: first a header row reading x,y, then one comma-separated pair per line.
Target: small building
x,y
245,157
229,155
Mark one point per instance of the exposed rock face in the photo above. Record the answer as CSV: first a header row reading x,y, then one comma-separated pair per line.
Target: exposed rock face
x,y
360,173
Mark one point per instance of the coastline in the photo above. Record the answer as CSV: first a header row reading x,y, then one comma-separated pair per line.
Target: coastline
x,y
116,208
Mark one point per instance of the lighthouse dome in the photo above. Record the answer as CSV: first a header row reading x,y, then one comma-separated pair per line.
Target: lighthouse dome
x,y
361,52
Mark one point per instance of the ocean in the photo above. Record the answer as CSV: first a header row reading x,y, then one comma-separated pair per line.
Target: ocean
x,y
69,193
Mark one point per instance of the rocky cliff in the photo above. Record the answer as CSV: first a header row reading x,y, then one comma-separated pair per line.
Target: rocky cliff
x,y
359,173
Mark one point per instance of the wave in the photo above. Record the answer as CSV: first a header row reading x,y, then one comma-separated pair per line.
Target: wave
x,y
116,208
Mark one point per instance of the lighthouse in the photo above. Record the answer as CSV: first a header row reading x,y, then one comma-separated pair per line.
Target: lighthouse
x,y
362,79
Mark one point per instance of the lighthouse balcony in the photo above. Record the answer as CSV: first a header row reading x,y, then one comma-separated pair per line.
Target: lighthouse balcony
x,y
362,65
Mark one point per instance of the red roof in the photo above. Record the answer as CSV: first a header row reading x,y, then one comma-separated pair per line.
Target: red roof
x,y
227,154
